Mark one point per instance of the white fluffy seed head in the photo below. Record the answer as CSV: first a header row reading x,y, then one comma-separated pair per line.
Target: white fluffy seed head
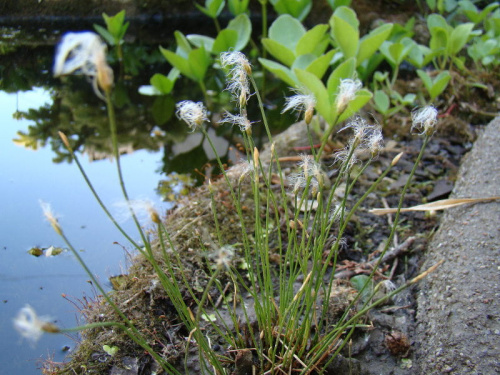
x,y
194,114
84,53
424,120
31,326
239,70
241,121
347,92
301,102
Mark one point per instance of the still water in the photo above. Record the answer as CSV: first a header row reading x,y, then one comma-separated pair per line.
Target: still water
x,y
26,177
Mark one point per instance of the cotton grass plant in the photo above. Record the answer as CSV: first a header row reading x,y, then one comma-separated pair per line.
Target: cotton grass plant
x,y
279,260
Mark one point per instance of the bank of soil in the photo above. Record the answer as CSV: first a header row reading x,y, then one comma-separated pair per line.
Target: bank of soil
x,y
458,319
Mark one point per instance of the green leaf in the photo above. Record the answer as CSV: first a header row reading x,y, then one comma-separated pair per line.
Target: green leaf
x,y
382,102
359,281
225,41
345,30
111,350
115,25
459,37
238,7
105,34
297,8
162,83
243,27
183,46
302,62
439,84
371,42
427,81
436,20
316,87
178,62
279,51
363,96
287,31
320,65
199,61
212,8
310,40
201,41
439,39
280,71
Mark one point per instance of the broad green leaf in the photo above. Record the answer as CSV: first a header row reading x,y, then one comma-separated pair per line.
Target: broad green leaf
x,y
243,27
280,71
212,8
370,43
287,31
225,41
345,31
296,8
162,83
459,37
427,81
199,60
334,4
439,85
201,41
115,25
178,62
183,46
316,87
348,15
320,65
382,101
436,20
343,71
238,7
395,53
363,96
105,34
310,40
439,39
302,62
279,51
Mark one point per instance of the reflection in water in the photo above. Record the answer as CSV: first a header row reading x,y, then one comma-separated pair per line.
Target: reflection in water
x,y
146,124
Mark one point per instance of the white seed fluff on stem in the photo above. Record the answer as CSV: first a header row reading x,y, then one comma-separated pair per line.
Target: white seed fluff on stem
x,y
31,326
347,92
84,53
193,114
242,121
238,84
424,120
50,216
301,102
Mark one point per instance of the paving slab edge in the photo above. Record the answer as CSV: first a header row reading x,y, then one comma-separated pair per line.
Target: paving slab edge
x,y
458,314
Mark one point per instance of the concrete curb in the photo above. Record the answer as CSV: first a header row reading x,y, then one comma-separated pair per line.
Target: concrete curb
x,y
458,317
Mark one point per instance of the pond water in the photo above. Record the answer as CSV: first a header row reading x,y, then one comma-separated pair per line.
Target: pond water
x,y
29,176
